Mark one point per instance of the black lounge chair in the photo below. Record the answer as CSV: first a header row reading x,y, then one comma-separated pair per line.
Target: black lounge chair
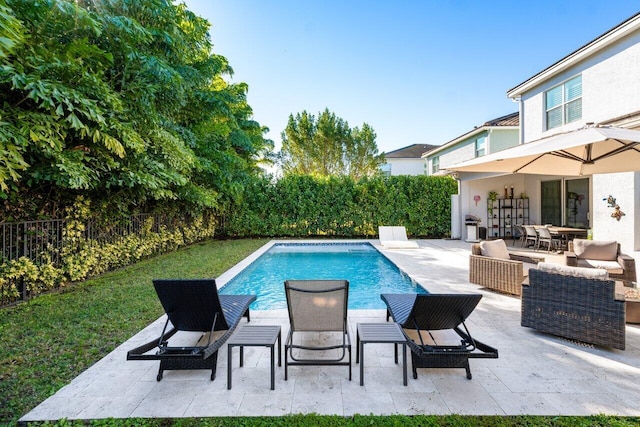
x,y
421,316
193,305
317,306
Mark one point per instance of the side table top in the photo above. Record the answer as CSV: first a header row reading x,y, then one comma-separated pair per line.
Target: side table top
x,y
381,332
255,335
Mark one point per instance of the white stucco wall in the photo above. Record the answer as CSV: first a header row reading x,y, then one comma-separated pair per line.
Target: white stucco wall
x,y
610,89
625,188
407,166
461,153
502,139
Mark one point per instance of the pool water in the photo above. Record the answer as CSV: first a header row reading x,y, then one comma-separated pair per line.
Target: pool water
x,y
369,273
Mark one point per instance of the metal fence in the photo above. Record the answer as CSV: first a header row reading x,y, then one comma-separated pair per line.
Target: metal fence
x,y
35,240
42,241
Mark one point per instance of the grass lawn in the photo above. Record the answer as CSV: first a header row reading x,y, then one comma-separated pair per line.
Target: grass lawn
x,y
48,341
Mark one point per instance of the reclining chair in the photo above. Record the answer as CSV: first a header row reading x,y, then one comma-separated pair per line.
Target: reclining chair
x,y
193,305
422,317
317,306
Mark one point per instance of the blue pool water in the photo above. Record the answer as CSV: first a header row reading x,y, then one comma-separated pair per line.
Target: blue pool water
x,y
369,273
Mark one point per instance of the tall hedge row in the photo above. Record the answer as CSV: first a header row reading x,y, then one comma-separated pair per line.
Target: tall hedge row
x,y
306,206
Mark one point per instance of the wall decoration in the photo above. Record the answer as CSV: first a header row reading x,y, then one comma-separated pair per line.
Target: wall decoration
x,y
611,201
476,199
617,212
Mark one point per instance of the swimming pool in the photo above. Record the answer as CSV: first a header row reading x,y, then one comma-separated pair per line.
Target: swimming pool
x,y
368,271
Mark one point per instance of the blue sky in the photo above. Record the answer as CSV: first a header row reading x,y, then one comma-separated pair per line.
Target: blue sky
x,y
418,72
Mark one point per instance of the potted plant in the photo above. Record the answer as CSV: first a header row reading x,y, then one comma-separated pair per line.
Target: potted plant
x,y
493,196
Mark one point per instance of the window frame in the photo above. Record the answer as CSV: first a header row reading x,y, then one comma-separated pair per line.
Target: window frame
x,y
564,105
477,149
435,165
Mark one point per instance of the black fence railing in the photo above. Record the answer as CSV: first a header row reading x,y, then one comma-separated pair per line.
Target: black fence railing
x,y
43,242
37,240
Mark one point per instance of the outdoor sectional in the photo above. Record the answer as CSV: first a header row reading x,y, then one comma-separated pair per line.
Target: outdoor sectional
x,y
492,266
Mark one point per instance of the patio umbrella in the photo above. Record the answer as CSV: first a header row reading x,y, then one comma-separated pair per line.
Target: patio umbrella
x,y
586,151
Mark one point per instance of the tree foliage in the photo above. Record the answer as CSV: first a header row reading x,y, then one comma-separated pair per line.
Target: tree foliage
x,y
327,146
121,101
338,206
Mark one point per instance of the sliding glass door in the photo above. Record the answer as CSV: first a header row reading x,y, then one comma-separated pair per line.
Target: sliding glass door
x,y
551,202
575,210
577,203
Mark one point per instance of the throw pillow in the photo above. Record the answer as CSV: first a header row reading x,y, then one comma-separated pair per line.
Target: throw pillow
x,y
605,250
494,249
589,273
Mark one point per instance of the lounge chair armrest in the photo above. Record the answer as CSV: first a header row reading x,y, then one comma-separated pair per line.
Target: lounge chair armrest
x,y
526,258
572,259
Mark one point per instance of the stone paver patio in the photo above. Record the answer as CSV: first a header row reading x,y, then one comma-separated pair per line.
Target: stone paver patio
x,y
536,374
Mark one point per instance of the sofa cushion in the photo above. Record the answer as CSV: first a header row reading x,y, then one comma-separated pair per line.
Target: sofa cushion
x,y
589,273
605,250
610,266
494,249
526,266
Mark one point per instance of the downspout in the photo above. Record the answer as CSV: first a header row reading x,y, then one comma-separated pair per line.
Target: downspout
x,y
518,99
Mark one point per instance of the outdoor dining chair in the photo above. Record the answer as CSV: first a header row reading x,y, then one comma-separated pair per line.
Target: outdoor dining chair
x,y
531,238
545,237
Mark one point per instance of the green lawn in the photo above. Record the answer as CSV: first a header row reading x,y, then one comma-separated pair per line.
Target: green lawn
x,y
48,341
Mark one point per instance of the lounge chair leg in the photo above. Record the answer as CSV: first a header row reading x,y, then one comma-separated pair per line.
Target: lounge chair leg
x,y
468,369
159,376
213,374
286,364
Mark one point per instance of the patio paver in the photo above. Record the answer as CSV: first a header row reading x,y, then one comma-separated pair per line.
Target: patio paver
x,y
535,374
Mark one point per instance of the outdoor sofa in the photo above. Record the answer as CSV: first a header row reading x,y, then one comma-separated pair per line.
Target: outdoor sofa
x,y
491,265
576,303
603,254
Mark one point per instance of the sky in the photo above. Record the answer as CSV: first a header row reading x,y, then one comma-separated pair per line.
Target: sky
x,y
417,72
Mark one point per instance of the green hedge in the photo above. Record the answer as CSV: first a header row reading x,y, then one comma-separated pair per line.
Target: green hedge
x,y
305,206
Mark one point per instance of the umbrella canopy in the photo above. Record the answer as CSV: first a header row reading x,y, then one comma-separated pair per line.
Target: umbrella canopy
x,y
584,151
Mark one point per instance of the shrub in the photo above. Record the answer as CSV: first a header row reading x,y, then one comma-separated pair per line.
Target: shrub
x,y
306,206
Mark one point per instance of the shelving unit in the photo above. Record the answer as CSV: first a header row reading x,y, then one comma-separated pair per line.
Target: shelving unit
x,y
503,215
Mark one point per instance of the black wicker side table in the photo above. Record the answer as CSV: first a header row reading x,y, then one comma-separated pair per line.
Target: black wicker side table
x,y
255,336
381,333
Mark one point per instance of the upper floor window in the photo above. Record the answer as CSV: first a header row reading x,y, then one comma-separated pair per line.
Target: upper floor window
x,y
563,103
435,165
481,146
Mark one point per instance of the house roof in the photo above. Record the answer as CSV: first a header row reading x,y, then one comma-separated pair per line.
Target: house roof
x,y
414,151
613,35
510,120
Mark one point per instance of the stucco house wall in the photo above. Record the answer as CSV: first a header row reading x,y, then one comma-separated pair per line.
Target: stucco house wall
x,y
499,134
503,139
625,188
610,88
610,69
406,166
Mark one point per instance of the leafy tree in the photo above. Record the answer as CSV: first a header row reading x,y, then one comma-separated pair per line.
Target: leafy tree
x,y
121,101
328,147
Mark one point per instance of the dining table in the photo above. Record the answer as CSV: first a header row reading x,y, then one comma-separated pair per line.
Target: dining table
x,y
566,234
